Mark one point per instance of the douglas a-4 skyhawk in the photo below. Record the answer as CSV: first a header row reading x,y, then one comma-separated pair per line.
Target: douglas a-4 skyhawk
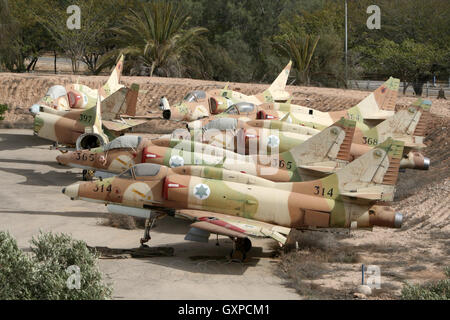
x,y
78,116
322,154
376,107
199,104
408,125
78,96
296,159
89,128
239,205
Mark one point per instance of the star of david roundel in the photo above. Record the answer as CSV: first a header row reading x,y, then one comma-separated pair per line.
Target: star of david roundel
x,y
202,191
176,161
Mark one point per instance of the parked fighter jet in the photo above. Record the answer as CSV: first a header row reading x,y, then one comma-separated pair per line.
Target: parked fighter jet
x,y
322,154
78,96
235,204
85,128
198,104
377,106
408,125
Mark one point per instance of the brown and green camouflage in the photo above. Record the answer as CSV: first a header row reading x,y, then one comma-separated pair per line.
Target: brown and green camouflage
x,y
350,198
377,106
199,104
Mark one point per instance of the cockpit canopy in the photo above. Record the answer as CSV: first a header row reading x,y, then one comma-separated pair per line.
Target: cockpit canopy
x,y
56,92
240,107
123,142
141,170
221,124
195,95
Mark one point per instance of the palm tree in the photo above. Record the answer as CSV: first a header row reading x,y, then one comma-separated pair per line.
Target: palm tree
x,y
156,35
300,50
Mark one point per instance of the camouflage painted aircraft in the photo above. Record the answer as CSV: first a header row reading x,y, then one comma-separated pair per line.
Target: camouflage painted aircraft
x,y
85,128
199,104
239,205
320,155
408,125
376,107
78,96
286,148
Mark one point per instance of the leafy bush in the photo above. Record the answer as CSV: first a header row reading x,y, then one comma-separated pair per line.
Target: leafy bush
x,y
43,275
435,290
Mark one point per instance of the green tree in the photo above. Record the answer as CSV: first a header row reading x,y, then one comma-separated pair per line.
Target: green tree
x,y
78,44
21,36
423,22
321,19
156,35
413,63
300,51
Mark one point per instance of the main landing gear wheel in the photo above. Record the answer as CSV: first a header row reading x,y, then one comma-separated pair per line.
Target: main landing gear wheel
x,y
241,247
88,175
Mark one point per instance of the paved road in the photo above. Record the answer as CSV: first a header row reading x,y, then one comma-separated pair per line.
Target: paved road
x,y
31,200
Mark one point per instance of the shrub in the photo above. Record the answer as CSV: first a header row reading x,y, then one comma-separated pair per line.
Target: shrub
x,y
434,290
123,222
42,274
3,108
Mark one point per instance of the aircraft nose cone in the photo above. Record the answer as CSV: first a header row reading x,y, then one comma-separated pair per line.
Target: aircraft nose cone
x,y
398,220
71,191
34,110
63,159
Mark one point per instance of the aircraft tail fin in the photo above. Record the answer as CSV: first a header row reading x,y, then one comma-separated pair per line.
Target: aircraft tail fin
x,y
378,105
278,88
408,125
98,126
113,83
371,177
325,151
121,102
131,99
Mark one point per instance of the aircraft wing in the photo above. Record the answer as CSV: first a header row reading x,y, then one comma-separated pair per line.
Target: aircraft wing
x,y
217,223
121,125
380,115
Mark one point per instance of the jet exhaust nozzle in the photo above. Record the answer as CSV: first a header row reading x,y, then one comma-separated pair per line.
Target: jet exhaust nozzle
x,y
384,216
415,160
398,220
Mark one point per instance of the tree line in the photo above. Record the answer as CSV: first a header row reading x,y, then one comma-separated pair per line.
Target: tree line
x,y
234,40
